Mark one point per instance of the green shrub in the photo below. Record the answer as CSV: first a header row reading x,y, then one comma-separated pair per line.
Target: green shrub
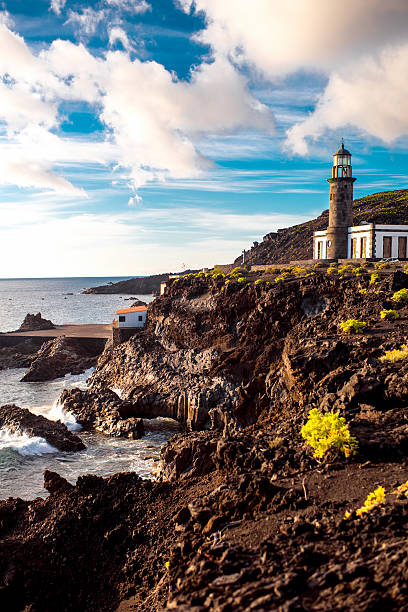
x,y
389,314
396,354
352,326
400,296
326,432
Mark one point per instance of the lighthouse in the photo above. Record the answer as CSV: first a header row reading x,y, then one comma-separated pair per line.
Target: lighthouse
x,y
341,204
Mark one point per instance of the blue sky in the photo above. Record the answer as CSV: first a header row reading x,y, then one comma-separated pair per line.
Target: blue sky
x,y
138,136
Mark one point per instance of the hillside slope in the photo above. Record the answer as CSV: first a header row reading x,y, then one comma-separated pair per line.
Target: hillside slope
x,y
296,242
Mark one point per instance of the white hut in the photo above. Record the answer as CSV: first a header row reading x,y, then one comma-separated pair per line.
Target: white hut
x,y
135,316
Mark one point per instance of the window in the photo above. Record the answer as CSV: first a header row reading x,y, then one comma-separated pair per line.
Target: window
x,y
320,250
140,317
353,248
122,318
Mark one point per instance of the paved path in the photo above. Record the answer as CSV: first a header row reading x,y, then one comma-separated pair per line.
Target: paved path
x,y
71,331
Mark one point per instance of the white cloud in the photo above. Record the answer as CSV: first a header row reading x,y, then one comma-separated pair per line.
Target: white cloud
x,y
281,37
118,34
87,21
133,6
153,119
5,19
372,96
350,43
136,199
37,175
57,6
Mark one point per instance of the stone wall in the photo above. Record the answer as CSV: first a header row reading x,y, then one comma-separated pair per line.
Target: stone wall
x,y
121,334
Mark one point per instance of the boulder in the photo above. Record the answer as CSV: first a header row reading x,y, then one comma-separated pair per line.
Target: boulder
x,y
56,484
20,420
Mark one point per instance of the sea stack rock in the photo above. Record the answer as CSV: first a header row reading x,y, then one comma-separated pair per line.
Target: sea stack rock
x,y
35,322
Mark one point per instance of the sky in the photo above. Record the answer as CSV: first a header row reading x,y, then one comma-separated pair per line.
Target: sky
x,y
143,136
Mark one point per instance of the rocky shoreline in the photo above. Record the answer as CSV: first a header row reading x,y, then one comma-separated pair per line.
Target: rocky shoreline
x,y
243,517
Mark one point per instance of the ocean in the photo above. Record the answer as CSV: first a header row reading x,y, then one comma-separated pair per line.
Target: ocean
x,y
23,459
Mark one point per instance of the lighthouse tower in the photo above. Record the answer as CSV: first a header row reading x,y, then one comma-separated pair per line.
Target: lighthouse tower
x,y
341,204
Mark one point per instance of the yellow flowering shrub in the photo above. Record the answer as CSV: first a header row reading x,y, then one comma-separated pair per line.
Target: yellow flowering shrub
x,y
389,314
374,499
396,354
374,278
326,432
402,489
352,326
400,296
363,291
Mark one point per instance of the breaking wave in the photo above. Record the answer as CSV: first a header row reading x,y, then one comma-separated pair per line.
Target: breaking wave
x,y
57,412
23,444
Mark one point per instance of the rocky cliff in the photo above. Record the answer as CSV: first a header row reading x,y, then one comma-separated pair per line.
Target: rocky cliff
x,y
245,517
296,243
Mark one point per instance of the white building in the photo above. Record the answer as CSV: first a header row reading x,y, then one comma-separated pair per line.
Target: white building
x,y
134,316
342,239
369,241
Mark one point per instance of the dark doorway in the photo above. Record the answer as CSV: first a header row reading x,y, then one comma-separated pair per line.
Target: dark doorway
x,y
402,247
387,242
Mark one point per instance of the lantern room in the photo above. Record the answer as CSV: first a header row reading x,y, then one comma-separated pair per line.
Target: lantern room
x,y
342,163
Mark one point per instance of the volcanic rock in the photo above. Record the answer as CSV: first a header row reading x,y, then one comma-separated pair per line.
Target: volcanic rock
x,y
20,420
20,355
55,484
59,357
105,412
248,518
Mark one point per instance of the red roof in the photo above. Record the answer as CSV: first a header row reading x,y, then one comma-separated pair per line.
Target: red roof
x,y
132,309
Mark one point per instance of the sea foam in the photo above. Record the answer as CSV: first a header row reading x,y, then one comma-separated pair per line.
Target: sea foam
x,y
23,444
